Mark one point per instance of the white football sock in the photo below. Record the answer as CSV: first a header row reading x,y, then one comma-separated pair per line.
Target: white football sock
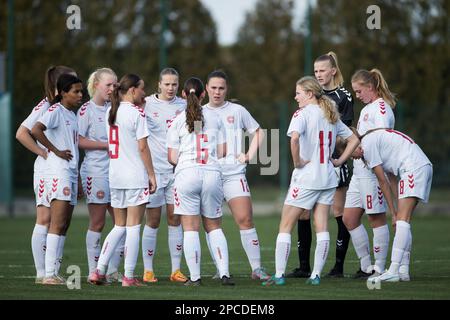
x,y
59,256
360,240
210,251
250,242
38,245
192,253
93,249
219,248
404,265
149,237
282,250
175,246
51,254
401,238
131,249
321,253
109,246
380,246
117,256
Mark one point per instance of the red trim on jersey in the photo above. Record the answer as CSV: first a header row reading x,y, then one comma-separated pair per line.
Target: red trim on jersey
x,y
40,104
401,134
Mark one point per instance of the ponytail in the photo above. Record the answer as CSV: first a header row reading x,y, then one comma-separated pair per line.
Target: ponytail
x,y
327,105
375,78
126,82
331,57
193,89
383,89
329,108
51,78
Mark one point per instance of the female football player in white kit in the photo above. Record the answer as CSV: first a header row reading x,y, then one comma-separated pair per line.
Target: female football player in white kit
x,y
39,236
160,109
57,130
236,119
196,140
131,175
313,131
393,152
94,169
364,193
327,72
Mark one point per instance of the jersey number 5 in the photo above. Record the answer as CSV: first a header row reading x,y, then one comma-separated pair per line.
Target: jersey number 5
x,y
322,142
202,153
113,142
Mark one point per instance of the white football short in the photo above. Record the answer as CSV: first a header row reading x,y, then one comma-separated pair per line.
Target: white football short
x,y
235,186
416,183
164,193
124,198
365,193
96,189
62,189
41,190
198,191
307,198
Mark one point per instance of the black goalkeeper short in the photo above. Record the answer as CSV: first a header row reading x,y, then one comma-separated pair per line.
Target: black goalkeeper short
x,y
343,176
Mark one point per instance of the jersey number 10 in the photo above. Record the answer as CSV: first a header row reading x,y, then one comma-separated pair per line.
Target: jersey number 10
x,y
113,142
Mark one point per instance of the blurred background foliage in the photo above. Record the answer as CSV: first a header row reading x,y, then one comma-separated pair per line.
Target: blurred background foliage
x,y
411,49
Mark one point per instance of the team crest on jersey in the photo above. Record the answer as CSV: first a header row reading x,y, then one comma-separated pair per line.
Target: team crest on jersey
x,y
230,119
100,194
66,191
366,117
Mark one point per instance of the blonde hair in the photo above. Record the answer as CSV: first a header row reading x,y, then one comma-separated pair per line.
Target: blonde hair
x,y
331,57
94,78
328,106
375,78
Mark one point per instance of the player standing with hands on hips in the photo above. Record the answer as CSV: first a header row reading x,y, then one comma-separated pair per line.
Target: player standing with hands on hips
x,y
313,131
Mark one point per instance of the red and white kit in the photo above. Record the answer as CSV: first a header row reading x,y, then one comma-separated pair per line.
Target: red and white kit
x,y
198,179
236,120
364,191
39,177
160,115
316,182
128,178
95,166
61,175
400,155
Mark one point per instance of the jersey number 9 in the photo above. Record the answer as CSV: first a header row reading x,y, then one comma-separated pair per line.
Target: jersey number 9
x,y
113,142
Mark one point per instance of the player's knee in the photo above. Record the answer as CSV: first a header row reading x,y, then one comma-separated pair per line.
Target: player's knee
x,y
350,222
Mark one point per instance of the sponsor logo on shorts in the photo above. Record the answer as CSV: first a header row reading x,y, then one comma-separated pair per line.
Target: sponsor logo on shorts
x,y
295,192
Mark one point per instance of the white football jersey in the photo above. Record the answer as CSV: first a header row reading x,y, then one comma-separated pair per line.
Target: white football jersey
x,y
317,141
377,114
236,119
197,149
159,115
394,151
126,169
62,131
91,125
29,123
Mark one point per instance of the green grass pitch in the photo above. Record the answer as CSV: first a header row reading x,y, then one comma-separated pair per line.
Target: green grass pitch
x,y
429,269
